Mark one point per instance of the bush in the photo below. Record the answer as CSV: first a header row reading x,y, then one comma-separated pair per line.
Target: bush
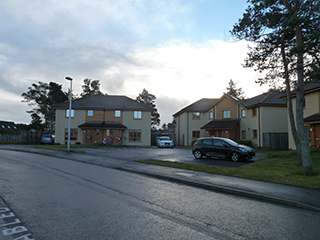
x,y
245,142
193,141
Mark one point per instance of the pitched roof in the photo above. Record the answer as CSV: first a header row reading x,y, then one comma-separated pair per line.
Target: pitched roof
x,y
312,118
308,88
221,123
201,105
8,125
101,101
268,98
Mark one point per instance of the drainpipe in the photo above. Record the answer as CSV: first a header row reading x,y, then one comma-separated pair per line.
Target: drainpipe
x,y
259,127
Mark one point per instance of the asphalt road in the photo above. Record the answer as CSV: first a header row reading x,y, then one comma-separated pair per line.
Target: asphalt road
x,y
165,154
56,198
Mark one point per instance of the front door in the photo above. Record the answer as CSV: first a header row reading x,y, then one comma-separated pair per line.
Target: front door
x,y
317,134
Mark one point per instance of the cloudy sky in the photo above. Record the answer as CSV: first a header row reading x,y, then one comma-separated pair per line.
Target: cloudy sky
x,y
178,50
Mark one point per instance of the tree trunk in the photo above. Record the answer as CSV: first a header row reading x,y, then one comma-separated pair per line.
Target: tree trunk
x,y
289,103
304,140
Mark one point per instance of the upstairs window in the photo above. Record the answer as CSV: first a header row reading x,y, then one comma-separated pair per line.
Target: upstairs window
x,y
90,113
226,114
211,115
137,115
196,115
243,113
254,112
67,113
117,113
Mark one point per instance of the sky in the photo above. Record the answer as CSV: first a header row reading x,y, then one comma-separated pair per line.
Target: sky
x,y
178,50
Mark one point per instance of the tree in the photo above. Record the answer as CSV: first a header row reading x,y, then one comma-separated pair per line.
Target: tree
x,y
36,123
90,87
44,96
286,36
149,99
233,91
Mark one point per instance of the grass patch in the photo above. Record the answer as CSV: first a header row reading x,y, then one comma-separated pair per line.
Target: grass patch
x,y
280,167
58,148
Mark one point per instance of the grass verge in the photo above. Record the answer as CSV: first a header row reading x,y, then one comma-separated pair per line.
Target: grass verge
x,y
280,167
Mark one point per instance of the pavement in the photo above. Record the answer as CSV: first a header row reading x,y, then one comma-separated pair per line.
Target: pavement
x,y
284,194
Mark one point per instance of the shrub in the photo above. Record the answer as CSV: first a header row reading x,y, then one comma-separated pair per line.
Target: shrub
x,y
193,141
245,142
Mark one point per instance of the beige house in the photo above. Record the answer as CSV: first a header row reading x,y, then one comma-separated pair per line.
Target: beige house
x,y
237,119
311,114
105,119
189,120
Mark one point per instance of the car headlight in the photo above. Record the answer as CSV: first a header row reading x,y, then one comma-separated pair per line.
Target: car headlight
x,y
243,150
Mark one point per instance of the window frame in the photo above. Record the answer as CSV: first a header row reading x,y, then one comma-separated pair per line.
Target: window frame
x,y
67,113
137,114
254,112
135,135
243,134
73,134
243,113
195,134
254,134
117,111
196,115
91,111
228,114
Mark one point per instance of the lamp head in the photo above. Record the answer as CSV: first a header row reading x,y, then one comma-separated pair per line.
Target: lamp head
x,y
69,78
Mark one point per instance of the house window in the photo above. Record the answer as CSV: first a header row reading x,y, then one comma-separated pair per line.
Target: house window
x,y
117,113
137,114
90,113
67,113
243,134
97,132
196,115
135,135
226,114
211,115
255,134
195,134
243,113
73,134
254,112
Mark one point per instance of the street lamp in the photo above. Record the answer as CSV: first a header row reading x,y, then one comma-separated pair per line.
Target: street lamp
x,y
70,98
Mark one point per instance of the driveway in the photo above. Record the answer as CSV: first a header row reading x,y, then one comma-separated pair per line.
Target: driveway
x,y
165,154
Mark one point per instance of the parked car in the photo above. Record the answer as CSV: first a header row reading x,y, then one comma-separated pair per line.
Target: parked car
x,y
47,139
165,142
221,148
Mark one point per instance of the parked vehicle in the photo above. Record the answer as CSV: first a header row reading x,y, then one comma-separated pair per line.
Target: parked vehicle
x,y
221,148
47,139
165,142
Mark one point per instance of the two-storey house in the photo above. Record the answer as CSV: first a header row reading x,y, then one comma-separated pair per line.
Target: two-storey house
x,y
189,120
239,119
311,113
109,119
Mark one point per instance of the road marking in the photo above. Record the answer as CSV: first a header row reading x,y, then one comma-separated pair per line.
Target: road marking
x,y
185,174
10,226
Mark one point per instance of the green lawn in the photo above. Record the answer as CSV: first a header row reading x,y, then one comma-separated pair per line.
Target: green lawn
x,y
280,167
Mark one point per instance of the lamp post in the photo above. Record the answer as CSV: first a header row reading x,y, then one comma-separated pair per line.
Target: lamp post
x,y
70,98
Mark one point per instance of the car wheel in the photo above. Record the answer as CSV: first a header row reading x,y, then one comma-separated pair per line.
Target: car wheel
x,y
235,157
197,154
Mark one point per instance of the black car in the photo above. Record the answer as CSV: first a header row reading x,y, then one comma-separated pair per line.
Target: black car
x,y
221,148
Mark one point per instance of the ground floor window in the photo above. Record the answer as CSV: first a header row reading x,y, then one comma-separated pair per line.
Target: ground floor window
x,y
243,134
255,134
195,134
135,135
73,134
